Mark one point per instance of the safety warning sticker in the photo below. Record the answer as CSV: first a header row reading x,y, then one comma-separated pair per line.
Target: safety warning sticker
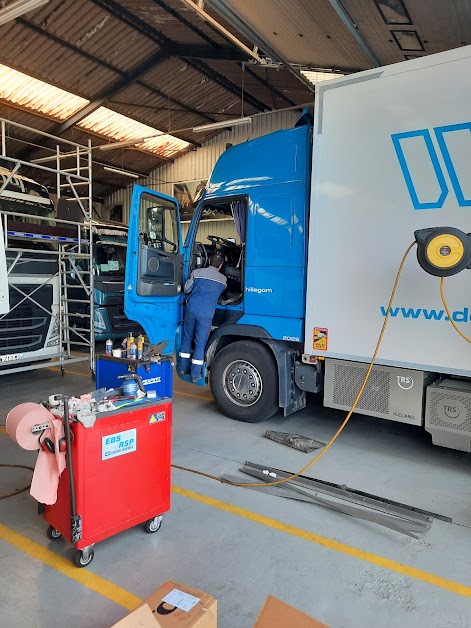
x,y
157,417
118,444
319,342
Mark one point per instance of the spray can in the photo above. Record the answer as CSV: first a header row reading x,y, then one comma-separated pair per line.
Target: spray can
x,y
124,348
109,347
140,346
133,352
129,341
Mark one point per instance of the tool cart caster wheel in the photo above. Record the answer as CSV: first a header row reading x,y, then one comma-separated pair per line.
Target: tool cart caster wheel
x,y
53,534
152,525
83,557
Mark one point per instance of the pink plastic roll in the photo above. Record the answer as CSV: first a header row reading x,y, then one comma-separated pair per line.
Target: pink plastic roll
x,y
22,418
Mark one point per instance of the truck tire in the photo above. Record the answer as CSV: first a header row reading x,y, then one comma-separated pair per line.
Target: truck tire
x,y
244,381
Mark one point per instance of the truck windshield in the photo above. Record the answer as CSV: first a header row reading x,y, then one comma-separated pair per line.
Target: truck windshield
x,y
110,256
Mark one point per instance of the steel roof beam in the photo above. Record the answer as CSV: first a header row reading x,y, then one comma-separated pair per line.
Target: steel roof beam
x,y
228,36
205,52
127,17
112,68
238,23
182,19
108,93
353,30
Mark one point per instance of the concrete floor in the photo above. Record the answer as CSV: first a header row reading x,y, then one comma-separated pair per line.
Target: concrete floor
x,y
345,572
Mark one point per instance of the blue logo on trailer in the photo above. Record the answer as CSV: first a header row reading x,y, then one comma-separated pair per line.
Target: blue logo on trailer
x,y
456,166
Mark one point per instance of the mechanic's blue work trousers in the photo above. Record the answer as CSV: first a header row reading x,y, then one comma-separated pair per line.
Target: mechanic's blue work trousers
x,y
195,330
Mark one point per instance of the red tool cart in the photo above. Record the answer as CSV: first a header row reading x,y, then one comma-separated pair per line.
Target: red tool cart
x,y
117,477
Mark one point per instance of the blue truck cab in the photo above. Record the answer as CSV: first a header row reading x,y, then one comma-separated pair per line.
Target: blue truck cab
x,y
261,188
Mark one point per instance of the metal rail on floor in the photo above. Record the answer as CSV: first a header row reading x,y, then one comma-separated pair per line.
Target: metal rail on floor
x,y
398,517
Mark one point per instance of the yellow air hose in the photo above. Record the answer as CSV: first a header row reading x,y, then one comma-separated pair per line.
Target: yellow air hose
x,y
450,318
347,418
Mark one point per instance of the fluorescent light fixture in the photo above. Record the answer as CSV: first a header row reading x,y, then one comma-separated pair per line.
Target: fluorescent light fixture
x,y
18,8
222,125
125,173
116,145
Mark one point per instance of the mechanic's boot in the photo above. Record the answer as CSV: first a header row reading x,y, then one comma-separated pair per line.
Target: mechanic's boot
x,y
183,365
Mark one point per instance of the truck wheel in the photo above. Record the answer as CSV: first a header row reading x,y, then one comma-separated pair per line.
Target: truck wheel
x,y
244,381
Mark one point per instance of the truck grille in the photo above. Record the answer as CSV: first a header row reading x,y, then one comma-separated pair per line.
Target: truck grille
x,y
26,326
118,321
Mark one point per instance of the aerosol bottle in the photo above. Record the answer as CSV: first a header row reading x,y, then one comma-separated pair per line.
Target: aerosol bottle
x,y
140,346
130,340
124,346
132,355
109,347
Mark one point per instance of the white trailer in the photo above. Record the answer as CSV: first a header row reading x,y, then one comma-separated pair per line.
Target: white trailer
x,y
392,154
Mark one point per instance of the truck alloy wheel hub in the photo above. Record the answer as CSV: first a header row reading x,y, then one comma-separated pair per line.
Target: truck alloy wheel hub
x,y
242,383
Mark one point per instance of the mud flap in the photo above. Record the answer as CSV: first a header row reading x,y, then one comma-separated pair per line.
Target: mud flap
x,y
290,397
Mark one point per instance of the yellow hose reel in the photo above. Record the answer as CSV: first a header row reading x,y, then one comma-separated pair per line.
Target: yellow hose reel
x,y
443,251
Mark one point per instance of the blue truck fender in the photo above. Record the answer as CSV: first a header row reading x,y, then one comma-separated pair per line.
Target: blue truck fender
x,y
290,397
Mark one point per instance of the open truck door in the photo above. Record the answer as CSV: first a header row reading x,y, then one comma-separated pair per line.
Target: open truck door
x,y
154,266
4,290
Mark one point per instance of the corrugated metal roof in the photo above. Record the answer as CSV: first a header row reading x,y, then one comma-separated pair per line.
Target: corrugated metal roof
x,y
172,27
192,87
87,48
37,95
96,31
56,103
113,125
33,53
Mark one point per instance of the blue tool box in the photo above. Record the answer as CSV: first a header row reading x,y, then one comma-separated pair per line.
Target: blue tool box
x,y
155,375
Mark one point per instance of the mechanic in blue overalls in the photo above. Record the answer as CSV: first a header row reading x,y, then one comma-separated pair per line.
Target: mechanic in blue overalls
x,y
204,288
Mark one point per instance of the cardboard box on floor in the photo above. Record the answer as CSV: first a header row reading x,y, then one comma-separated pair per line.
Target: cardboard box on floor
x,y
156,613
277,614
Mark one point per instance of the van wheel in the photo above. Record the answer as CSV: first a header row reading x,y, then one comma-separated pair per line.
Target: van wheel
x,y
244,381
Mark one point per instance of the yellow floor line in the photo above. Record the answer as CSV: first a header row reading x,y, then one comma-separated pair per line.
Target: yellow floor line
x,y
96,583
130,601
380,561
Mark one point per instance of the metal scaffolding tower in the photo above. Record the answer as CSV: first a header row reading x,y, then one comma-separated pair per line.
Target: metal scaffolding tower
x,y
49,260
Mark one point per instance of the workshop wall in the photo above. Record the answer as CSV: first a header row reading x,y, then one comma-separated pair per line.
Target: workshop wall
x,y
198,164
